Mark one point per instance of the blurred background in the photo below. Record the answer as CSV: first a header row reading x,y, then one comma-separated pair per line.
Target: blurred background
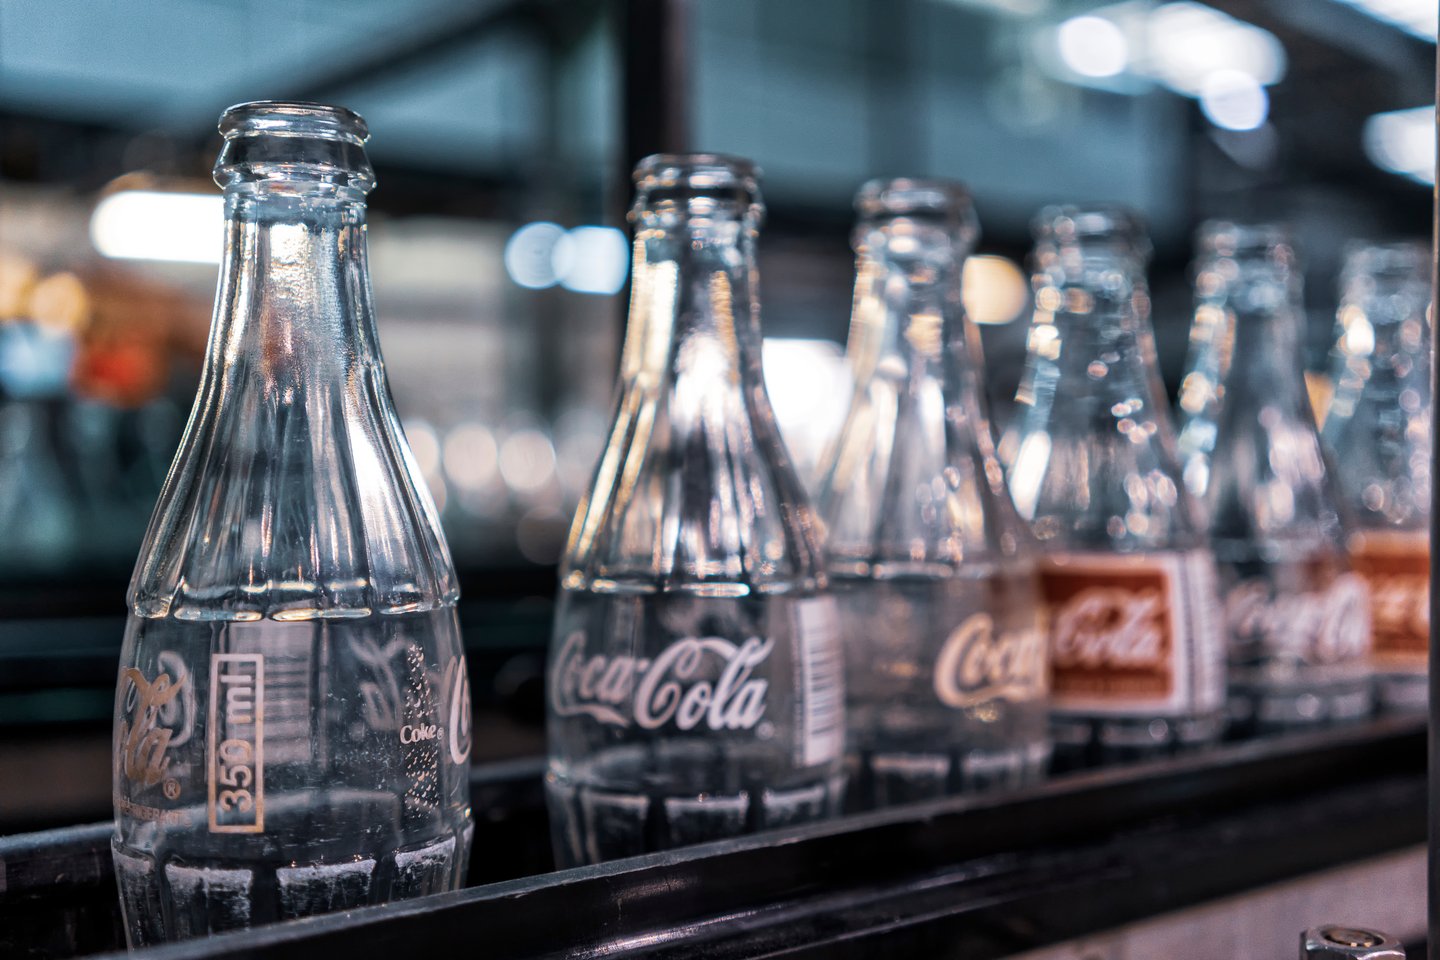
x,y
503,132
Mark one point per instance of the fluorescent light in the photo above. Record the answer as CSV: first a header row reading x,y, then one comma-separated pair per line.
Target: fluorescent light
x,y
531,254
1234,100
585,259
1418,17
1188,42
1403,142
1185,46
599,260
1093,46
155,225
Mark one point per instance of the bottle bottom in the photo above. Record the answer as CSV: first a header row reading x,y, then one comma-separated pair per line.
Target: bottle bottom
x,y
1082,742
194,883
881,777
1262,709
1403,691
599,818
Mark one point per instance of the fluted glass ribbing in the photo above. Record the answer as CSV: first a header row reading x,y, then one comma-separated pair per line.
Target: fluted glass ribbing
x,y
695,686
292,715
947,668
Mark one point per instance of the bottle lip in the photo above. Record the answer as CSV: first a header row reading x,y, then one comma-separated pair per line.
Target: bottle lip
x,y
1388,256
294,118
922,197
698,171
1229,237
1070,223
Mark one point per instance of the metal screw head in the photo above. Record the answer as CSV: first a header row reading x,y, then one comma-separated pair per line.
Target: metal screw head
x,y
1341,942
1348,937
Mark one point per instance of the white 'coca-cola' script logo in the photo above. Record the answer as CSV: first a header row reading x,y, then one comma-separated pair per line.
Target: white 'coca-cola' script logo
x,y
1318,628
975,665
617,690
1111,627
1400,603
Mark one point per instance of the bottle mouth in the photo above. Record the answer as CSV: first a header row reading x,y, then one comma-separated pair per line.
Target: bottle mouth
x,y
292,141
1075,224
1396,257
948,201
667,177
294,118
1226,238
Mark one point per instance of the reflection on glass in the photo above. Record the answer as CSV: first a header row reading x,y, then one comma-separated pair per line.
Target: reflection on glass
x,y
945,648
696,687
1135,646
292,714
1297,619
1378,429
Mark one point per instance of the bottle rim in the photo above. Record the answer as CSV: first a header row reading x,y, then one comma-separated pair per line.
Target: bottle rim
x,y
294,118
1229,237
902,195
700,171
1388,256
1070,222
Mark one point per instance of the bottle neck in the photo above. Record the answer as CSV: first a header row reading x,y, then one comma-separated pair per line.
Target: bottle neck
x,y
294,298
1090,340
692,306
907,312
1261,346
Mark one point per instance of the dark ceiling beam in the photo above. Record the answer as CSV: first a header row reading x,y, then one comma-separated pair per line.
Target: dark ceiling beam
x,y
654,46
1349,31
448,35
1410,59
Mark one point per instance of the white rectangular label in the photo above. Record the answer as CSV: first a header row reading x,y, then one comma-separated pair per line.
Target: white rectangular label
x,y
822,681
235,754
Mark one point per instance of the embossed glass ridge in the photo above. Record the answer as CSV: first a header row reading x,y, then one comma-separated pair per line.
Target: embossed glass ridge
x,y
292,716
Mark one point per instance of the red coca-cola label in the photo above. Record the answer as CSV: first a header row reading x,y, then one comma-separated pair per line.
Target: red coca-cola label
x,y
1123,638
1396,565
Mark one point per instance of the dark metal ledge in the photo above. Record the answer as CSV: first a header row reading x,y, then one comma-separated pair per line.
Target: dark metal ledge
x,y
969,879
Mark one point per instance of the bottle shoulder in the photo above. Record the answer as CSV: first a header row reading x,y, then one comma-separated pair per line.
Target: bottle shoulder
x,y
292,505
694,494
913,478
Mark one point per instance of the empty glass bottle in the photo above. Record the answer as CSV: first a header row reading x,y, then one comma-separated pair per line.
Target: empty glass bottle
x,y
1136,660
292,723
1297,619
1378,431
945,647
696,685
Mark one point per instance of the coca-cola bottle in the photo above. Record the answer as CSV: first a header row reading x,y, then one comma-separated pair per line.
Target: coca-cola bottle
x,y
696,686
1137,664
1297,619
292,717
945,648
1378,431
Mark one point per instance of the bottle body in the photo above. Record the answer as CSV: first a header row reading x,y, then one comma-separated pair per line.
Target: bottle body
x,y
1126,570
292,713
696,685
1378,431
946,682
932,570
1297,618
268,770
679,718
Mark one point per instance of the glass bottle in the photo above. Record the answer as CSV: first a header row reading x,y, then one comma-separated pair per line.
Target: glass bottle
x,y
292,715
1378,431
696,684
1297,619
946,655
1137,666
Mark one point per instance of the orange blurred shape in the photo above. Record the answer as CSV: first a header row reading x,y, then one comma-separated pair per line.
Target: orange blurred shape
x,y
139,328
